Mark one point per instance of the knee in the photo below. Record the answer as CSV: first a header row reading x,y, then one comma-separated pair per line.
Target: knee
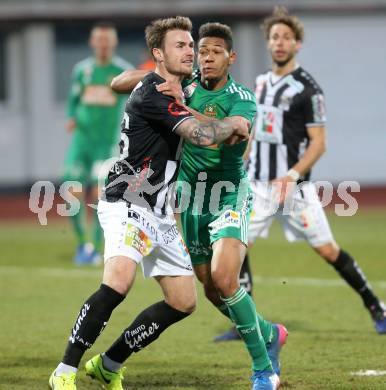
x,y
120,286
185,303
224,283
329,252
212,294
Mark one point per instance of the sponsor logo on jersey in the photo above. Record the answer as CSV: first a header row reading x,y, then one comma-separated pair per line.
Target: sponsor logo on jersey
x,y
99,95
177,109
137,239
210,110
268,121
189,90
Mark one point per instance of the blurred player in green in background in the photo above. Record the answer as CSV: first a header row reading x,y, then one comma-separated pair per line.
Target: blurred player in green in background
x,y
93,112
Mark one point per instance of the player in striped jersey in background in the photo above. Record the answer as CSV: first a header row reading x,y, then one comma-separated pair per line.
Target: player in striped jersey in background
x,y
289,138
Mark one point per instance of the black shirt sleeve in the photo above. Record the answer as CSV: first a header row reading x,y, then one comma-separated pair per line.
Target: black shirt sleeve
x,y
161,110
314,107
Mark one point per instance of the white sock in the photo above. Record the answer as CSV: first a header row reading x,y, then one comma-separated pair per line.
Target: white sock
x,y
64,369
109,364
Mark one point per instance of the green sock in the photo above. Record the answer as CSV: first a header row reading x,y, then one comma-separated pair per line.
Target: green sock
x,y
77,221
97,233
266,328
243,313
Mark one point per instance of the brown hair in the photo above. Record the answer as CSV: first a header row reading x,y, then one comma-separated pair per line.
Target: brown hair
x,y
156,31
281,15
217,30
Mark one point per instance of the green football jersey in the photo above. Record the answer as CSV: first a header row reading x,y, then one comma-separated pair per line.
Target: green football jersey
x,y
95,107
220,162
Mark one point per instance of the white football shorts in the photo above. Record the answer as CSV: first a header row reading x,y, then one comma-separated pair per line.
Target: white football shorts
x,y
154,241
302,218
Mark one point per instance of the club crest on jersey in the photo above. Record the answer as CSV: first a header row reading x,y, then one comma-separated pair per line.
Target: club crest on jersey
x,y
189,90
210,110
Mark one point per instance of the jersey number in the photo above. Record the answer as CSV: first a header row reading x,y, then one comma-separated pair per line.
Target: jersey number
x,y
124,144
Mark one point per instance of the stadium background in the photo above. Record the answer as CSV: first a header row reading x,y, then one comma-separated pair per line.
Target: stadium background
x,y
330,335
41,40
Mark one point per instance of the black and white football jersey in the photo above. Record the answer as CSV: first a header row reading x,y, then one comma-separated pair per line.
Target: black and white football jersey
x,y
285,108
149,148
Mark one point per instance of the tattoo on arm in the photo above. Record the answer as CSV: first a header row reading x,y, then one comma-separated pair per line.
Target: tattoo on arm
x,y
204,133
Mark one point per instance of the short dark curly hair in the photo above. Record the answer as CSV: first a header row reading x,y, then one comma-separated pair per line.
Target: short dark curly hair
x,y
217,30
281,15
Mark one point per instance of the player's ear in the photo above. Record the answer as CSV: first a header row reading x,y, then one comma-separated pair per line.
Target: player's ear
x,y
158,54
232,57
298,45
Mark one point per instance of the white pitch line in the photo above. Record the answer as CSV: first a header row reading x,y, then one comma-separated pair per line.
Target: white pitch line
x,y
312,282
91,272
368,373
87,272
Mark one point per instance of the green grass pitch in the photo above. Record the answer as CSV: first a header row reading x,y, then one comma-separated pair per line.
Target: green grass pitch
x,y
331,334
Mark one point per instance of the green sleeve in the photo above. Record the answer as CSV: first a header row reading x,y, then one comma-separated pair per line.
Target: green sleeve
x,y
75,92
244,106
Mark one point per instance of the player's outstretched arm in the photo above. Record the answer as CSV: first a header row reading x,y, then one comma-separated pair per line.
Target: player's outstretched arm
x,y
213,132
127,80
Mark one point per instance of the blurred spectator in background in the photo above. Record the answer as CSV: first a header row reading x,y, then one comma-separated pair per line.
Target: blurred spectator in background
x,y
93,112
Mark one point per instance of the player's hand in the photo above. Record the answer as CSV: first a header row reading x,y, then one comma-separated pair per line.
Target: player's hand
x,y
241,129
233,140
70,125
285,186
173,89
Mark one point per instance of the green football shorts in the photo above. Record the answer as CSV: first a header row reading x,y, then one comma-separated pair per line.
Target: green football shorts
x,y
201,231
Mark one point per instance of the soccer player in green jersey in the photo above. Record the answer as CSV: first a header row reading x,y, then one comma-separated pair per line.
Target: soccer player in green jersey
x,y
215,223
93,112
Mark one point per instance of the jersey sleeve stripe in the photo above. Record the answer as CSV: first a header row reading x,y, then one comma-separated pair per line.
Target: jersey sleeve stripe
x,y
183,119
318,124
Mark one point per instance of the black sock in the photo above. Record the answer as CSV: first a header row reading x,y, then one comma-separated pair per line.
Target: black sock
x,y
245,278
146,328
91,321
349,270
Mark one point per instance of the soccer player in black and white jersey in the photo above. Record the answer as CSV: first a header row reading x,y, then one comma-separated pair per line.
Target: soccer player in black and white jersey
x,y
289,138
137,220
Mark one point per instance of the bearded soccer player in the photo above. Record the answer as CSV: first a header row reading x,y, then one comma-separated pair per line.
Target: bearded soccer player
x,y
290,137
94,111
136,217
